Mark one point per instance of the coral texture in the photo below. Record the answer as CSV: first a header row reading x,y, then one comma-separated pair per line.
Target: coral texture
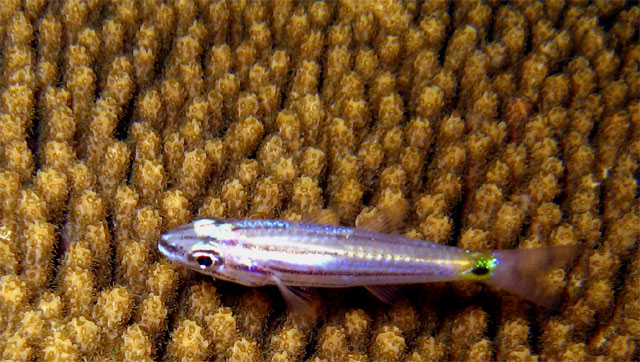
x,y
502,124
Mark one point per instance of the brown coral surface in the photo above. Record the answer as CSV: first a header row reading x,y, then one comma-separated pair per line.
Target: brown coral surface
x,y
503,124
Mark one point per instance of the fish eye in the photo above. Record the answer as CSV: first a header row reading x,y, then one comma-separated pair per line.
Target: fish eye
x,y
206,259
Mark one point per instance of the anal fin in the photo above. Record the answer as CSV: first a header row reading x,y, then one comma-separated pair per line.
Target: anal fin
x,y
390,294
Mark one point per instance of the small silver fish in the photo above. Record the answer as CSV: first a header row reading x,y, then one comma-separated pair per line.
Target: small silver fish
x,y
295,255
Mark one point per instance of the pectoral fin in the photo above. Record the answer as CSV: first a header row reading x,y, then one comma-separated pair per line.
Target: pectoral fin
x,y
300,300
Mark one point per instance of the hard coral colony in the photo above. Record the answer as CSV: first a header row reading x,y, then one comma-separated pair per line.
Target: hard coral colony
x,y
502,125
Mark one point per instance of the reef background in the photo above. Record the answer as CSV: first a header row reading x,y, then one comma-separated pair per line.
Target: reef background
x,y
503,125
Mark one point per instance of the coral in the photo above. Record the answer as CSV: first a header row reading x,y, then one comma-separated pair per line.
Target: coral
x,y
189,341
136,345
332,344
388,344
499,124
287,343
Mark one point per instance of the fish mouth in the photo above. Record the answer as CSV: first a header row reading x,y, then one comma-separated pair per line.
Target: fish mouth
x,y
169,248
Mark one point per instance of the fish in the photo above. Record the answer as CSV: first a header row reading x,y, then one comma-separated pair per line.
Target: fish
x,y
300,256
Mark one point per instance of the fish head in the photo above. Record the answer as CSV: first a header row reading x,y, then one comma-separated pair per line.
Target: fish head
x,y
200,245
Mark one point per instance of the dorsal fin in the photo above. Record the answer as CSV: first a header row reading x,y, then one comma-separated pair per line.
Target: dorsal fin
x,y
321,216
385,219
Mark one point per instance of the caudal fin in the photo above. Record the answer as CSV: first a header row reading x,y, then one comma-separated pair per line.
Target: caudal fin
x,y
522,272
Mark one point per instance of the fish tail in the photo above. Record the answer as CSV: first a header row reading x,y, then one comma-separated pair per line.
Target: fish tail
x,y
523,271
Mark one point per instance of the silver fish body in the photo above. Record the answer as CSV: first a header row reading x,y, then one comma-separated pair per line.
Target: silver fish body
x,y
256,252
298,254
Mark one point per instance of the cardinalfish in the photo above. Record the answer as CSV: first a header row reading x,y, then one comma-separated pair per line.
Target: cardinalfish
x,y
297,255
